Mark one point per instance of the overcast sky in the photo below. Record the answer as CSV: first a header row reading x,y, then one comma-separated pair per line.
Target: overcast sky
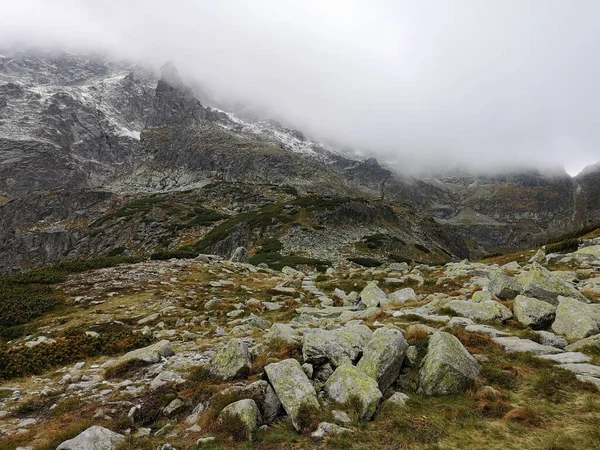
x,y
483,83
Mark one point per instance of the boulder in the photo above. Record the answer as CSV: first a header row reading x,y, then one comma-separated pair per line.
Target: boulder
x,y
328,429
372,295
281,332
548,338
292,386
94,438
481,296
397,399
246,412
503,286
591,343
231,361
383,356
540,283
240,255
517,345
148,355
448,368
486,311
576,320
533,313
349,382
399,298
339,346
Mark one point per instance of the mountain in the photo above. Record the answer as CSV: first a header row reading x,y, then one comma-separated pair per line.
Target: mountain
x,y
102,157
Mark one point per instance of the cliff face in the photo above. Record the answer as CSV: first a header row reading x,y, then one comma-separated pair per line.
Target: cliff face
x,y
81,134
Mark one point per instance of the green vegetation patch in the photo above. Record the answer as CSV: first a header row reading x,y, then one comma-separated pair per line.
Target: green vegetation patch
x,y
277,261
366,262
567,246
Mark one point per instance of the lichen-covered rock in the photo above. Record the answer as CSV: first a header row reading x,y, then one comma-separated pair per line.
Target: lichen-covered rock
x,y
591,343
448,368
372,295
246,411
231,361
328,429
576,320
339,346
533,313
149,355
383,356
347,382
548,338
503,286
487,311
398,399
540,283
266,399
399,298
94,438
481,296
281,332
292,386
240,255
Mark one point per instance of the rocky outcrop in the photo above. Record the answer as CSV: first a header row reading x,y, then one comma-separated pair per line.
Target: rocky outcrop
x,y
539,283
383,356
231,361
448,368
533,313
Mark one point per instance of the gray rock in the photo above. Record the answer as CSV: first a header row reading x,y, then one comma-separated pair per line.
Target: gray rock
x,y
372,295
348,382
149,355
567,358
448,368
397,399
280,332
487,311
246,411
503,286
173,407
94,438
231,361
548,338
481,296
292,386
383,356
541,284
576,320
590,343
328,429
399,298
514,344
340,416
533,313
339,346
240,255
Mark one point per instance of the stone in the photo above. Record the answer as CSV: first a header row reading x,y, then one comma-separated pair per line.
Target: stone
x,y
567,358
325,429
240,255
515,344
339,346
232,361
246,411
538,257
591,343
485,329
397,399
383,356
503,286
201,442
481,296
587,370
548,338
148,319
486,311
39,340
266,399
399,298
280,332
173,407
256,322
541,284
349,382
576,320
340,416
292,273
533,313
149,355
94,438
292,386
372,295
448,368
399,267
164,378
455,322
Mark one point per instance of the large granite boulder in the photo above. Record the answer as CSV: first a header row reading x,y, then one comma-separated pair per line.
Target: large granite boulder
x,y
372,295
292,386
448,368
540,283
147,355
503,286
245,412
533,313
486,311
232,361
576,320
94,438
339,346
383,356
349,382
398,298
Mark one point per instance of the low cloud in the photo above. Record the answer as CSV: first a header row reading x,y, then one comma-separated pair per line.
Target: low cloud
x,y
421,84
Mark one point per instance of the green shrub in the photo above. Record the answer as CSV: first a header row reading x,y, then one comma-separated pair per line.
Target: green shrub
x,y
75,346
277,261
205,217
567,246
366,262
271,245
